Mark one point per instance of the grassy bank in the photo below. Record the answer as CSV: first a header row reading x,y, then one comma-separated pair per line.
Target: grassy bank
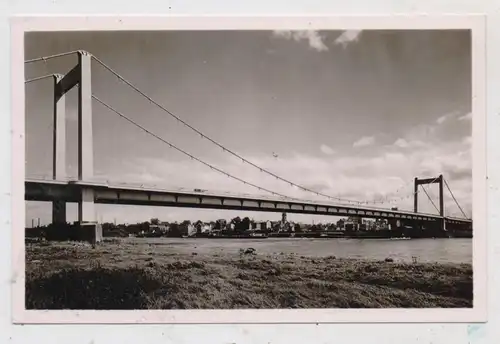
x,y
120,275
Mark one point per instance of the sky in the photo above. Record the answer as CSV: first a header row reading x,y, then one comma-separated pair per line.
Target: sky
x,y
351,114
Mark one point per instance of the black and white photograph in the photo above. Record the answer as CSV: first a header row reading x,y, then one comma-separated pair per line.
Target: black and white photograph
x,y
248,169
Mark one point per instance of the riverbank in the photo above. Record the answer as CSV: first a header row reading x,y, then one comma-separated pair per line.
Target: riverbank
x,y
141,275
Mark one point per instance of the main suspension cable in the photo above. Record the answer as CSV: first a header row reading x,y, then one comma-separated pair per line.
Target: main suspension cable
x,y
49,57
453,196
38,78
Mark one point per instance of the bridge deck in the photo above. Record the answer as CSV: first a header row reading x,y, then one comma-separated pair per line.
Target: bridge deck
x,y
69,191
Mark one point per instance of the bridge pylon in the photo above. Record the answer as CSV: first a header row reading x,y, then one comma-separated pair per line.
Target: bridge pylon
x,y
438,180
79,76
59,149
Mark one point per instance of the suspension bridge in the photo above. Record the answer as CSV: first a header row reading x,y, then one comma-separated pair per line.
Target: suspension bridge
x,y
87,191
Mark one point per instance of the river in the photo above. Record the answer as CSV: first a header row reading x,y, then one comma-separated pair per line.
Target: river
x,y
425,250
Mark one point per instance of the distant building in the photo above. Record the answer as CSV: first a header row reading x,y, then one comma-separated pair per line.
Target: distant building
x,y
331,227
353,223
187,229
154,229
381,224
355,219
275,226
298,227
220,224
341,224
261,225
203,227
369,224
207,227
283,221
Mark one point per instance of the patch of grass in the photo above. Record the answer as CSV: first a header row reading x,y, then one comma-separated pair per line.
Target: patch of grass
x,y
90,289
133,276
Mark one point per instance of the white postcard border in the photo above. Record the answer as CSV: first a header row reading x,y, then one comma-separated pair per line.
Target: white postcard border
x,y
476,23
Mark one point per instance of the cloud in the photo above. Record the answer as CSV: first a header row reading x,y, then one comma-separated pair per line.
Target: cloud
x,y
442,119
364,141
454,114
384,175
348,176
466,117
423,133
403,143
326,149
314,38
448,116
445,117
347,37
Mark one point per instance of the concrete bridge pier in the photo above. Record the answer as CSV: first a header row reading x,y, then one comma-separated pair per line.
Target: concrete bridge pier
x,y
59,212
90,230
437,229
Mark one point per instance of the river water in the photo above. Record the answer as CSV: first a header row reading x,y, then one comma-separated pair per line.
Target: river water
x,y
425,250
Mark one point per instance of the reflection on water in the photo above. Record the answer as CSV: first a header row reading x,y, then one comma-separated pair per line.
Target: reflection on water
x,y
426,250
